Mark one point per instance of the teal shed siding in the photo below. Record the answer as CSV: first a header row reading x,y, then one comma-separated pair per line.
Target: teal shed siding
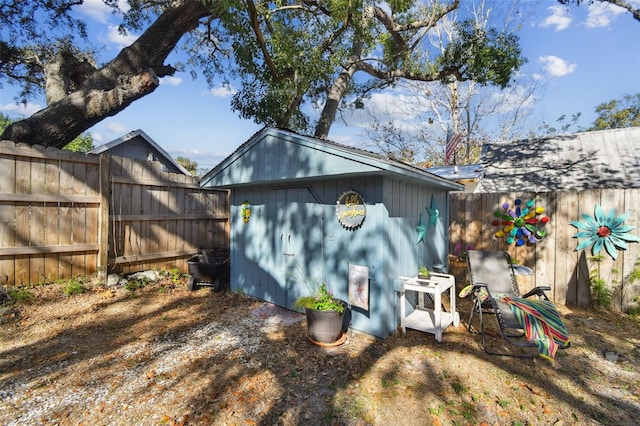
x,y
293,238
271,159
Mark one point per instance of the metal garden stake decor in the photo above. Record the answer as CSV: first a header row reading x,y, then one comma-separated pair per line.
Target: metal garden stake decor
x,y
606,231
521,223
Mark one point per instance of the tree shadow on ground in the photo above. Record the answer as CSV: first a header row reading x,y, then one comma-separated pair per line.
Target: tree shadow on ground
x,y
153,357
328,386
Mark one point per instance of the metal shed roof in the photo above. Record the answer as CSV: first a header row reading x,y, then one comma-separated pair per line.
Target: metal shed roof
x,y
295,156
581,161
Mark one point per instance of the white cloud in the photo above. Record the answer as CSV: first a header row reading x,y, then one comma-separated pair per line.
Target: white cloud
x,y
21,111
402,109
121,40
601,14
556,67
97,137
222,91
95,9
114,127
99,11
506,101
559,18
171,81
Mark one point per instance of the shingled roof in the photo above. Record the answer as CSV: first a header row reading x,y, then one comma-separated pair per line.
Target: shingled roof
x,y
581,161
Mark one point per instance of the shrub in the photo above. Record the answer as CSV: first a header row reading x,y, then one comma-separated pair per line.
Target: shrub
x,y
73,286
21,295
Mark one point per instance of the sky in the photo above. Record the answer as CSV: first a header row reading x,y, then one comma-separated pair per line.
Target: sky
x,y
582,56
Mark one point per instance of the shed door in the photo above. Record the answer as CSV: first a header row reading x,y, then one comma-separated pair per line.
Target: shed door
x,y
299,242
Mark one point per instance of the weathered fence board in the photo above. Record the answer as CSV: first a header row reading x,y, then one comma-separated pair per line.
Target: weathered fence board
x,y
7,216
554,259
631,257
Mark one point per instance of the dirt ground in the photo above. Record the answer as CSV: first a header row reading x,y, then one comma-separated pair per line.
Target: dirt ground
x,y
162,355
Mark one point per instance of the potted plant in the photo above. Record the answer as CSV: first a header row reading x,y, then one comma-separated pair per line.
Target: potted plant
x,y
325,314
423,273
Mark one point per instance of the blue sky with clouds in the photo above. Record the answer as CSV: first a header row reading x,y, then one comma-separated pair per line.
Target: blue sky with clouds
x,y
582,55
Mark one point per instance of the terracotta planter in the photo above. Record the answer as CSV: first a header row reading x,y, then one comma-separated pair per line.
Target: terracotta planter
x,y
324,326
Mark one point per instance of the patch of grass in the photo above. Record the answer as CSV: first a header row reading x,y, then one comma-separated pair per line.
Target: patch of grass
x,y
73,286
134,285
437,410
444,375
21,295
468,412
504,403
385,382
458,387
351,407
173,274
599,291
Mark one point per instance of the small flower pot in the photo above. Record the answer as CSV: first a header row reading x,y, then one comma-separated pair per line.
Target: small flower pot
x,y
324,326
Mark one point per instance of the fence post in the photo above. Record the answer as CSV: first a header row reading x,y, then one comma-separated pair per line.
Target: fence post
x,y
103,231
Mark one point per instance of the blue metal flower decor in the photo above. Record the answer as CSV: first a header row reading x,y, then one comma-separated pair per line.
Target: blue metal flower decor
x,y
606,231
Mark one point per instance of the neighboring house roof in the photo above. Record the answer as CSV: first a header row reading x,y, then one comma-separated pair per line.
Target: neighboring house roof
x,y
581,161
294,156
468,175
458,173
124,147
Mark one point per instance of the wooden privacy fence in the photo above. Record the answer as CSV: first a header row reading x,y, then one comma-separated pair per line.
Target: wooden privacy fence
x,y
51,215
64,214
158,219
554,260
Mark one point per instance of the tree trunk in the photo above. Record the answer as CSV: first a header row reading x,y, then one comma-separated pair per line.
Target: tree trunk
x,y
131,75
336,93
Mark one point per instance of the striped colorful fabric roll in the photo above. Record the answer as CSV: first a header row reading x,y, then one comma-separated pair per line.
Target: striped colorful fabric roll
x,y
541,323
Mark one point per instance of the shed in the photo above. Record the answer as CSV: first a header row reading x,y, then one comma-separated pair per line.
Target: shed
x,y
303,210
575,162
139,146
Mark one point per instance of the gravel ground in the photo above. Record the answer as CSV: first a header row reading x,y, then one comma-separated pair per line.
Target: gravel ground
x,y
163,355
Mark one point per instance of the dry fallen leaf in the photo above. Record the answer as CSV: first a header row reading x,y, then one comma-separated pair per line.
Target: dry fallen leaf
x,y
531,388
108,294
181,422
